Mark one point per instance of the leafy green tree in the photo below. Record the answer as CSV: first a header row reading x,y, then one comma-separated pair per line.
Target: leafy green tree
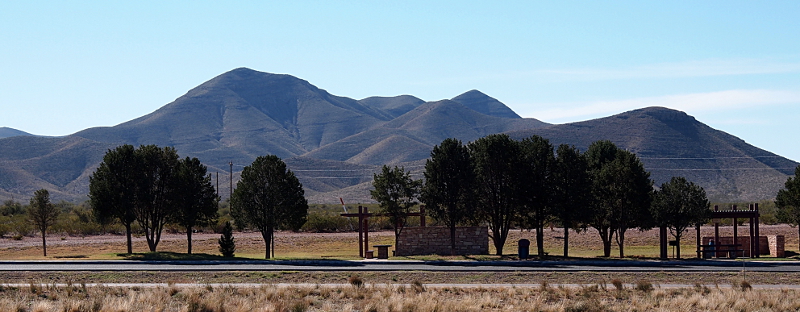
x,y
396,192
788,201
227,245
536,180
113,187
269,196
598,156
448,192
196,200
630,193
43,214
497,160
155,190
678,205
622,193
571,190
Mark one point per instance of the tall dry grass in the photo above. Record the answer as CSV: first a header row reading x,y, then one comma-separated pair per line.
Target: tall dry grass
x,y
415,297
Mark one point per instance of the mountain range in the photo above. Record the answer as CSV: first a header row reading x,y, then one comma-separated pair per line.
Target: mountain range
x,y
334,144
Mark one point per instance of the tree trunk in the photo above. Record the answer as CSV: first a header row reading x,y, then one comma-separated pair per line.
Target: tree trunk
x,y
189,239
566,241
452,240
540,240
267,235
621,243
128,233
606,236
44,244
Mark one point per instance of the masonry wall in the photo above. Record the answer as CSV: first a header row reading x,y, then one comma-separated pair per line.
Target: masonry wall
x,y
764,244
777,245
416,241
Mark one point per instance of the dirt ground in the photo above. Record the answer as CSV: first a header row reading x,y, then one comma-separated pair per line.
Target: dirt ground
x,y
345,245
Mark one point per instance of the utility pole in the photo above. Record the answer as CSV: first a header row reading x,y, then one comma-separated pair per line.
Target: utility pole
x,y
231,192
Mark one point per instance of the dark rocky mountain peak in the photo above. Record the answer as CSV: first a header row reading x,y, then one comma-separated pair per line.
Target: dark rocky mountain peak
x,y
485,104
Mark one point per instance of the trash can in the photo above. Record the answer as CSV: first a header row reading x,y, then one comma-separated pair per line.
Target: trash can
x,y
524,248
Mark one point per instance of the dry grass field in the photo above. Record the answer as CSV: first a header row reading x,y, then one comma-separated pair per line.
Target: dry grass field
x,y
382,291
642,296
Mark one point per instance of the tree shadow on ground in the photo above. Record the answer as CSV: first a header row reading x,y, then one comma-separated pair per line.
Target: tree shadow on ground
x,y
172,256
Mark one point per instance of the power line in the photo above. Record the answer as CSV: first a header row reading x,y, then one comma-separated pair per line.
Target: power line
x,y
708,158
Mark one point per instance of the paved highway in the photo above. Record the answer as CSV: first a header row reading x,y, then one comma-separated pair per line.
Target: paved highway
x,y
384,265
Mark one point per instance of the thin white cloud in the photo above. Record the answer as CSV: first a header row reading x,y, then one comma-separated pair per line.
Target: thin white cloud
x,y
694,102
701,68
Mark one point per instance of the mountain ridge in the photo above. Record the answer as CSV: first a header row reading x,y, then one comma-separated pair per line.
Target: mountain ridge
x,y
335,143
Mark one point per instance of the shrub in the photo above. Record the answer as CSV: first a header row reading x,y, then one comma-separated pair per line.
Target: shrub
x,y
356,281
227,245
617,284
644,286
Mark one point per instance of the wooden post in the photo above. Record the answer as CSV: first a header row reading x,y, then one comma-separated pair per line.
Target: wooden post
x,y
662,241
699,241
735,231
752,234
758,238
422,215
361,232
716,232
366,229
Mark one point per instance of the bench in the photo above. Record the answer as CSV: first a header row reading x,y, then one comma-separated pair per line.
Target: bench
x,y
731,249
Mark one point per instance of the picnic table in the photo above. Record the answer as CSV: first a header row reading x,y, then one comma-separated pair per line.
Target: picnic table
x,y
731,249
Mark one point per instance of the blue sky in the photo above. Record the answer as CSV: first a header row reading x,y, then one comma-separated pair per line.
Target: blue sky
x,y
734,65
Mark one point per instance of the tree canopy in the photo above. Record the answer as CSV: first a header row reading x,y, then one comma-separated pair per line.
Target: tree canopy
x,y
113,186
269,196
788,200
497,161
43,214
571,190
678,205
195,198
622,193
449,181
396,192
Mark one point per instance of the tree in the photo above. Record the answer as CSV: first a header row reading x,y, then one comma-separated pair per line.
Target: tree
x,y
155,190
227,245
43,214
196,200
622,193
571,189
788,201
497,162
630,192
269,196
113,187
536,174
678,205
396,193
449,182
598,156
